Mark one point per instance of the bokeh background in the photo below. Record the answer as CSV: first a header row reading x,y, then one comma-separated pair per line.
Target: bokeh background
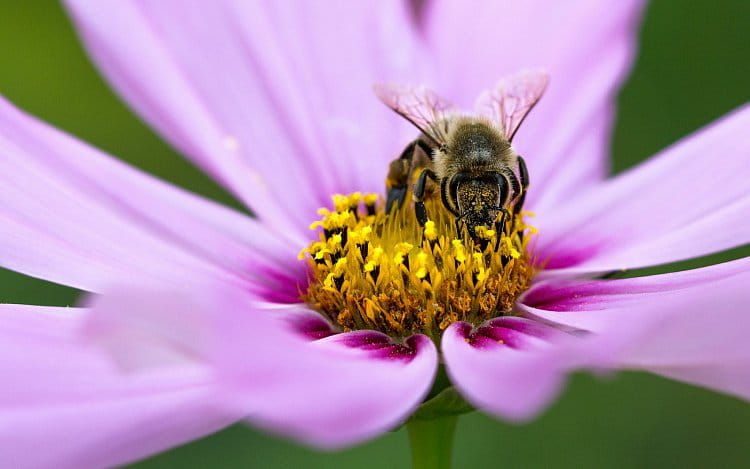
x,y
693,66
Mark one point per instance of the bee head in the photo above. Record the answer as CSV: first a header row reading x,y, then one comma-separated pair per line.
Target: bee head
x,y
478,201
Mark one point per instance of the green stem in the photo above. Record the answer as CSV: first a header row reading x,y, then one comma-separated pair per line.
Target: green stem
x,y
431,442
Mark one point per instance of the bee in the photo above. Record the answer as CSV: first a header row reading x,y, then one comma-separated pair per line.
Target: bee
x,y
469,157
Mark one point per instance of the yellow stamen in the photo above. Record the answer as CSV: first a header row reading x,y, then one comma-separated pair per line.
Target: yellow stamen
x,y
373,259
485,233
402,249
459,252
372,270
371,199
421,265
429,230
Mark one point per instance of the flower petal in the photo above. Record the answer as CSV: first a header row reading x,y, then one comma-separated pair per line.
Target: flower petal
x,y
690,200
586,45
273,99
592,304
68,397
75,216
511,367
690,326
368,385
328,393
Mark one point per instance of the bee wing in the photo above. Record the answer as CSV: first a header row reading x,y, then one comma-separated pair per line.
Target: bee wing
x,y
510,101
417,104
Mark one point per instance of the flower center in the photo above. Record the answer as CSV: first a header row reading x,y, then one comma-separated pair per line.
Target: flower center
x,y
372,270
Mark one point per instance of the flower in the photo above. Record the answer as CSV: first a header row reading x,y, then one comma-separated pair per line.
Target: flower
x,y
247,91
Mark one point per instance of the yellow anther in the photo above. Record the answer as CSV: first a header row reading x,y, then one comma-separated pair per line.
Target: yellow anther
x,y
337,272
482,273
513,251
356,237
319,250
371,199
353,200
328,282
340,202
484,232
321,254
339,267
421,265
402,250
376,254
430,232
361,235
374,259
459,251
337,220
314,249
334,241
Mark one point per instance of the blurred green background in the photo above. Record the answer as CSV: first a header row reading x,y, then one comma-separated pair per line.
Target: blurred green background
x,y
693,66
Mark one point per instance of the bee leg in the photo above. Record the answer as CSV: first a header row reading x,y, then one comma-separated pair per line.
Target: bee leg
x,y
515,192
460,225
523,172
398,177
500,228
515,186
396,196
419,207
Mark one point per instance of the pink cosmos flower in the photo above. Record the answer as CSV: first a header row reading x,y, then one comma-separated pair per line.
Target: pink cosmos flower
x,y
189,328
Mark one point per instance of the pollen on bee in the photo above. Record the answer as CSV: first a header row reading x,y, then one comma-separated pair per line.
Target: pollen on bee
x,y
372,270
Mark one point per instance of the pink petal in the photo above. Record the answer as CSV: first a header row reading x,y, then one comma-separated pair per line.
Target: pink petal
x,y
368,385
328,393
591,304
73,215
690,200
690,326
510,367
64,404
274,99
586,45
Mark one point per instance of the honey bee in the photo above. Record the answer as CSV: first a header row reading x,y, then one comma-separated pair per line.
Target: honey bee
x,y
470,157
